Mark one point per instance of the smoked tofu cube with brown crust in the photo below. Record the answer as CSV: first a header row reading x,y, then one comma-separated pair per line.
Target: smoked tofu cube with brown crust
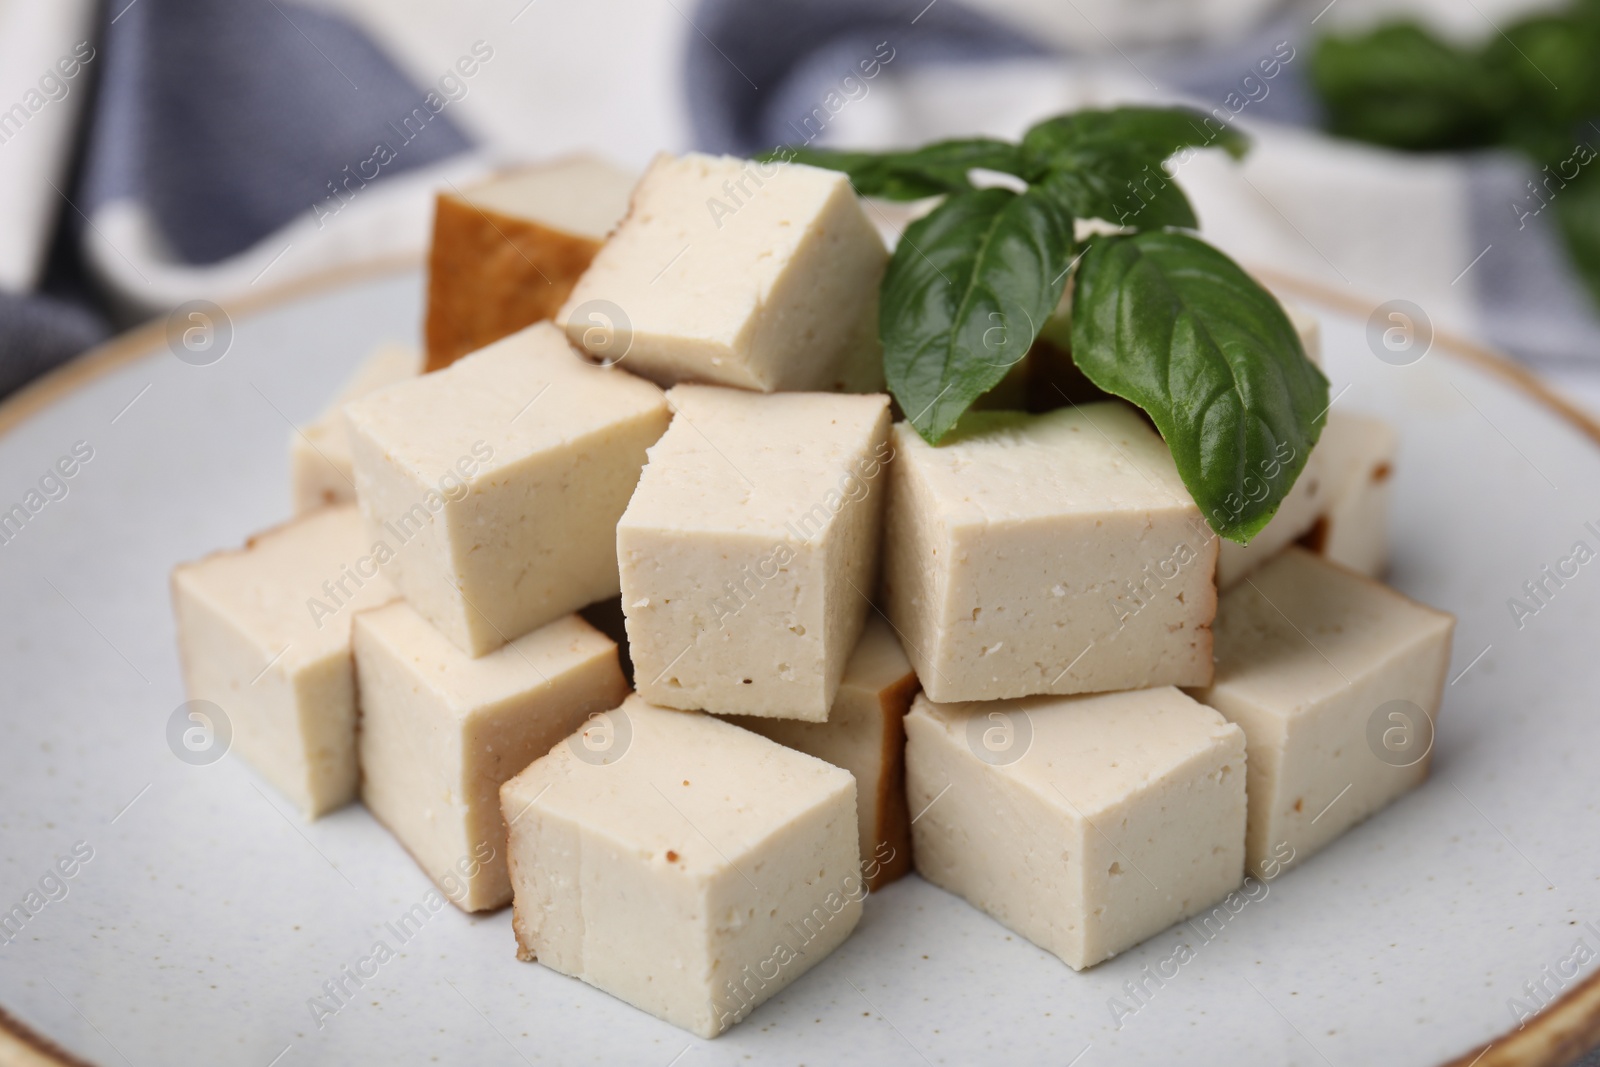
x,y
865,734
750,549
1336,681
440,733
1055,553
319,453
506,252
682,864
736,272
264,634
496,483
1086,824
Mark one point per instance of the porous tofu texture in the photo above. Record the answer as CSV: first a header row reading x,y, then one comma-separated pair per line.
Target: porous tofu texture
x,y
495,485
733,272
1055,553
1315,662
1086,824
264,633
865,734
440,733
686,866
1353,531
319,453
750,549
507,251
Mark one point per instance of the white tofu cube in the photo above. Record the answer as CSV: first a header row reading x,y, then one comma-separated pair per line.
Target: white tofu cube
x,y
1353,530
1055,553
264,634
1336,681
1086,824
440,733
691,868
732,272
750,548
319,453
1347,442
1305,503
496,484
865,734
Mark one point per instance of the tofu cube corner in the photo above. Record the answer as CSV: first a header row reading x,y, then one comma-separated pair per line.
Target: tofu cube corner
x,y
1336,681
492,488
760,275
507,251
684,865
441,732
865,734
264,635
1353,530
319,453
1338,507
1047,554
750,549
1086,824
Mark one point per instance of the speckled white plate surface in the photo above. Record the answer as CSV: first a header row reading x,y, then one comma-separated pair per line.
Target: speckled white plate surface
x,y
208,915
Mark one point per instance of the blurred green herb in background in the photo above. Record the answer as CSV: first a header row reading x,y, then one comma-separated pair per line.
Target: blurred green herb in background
x,y
1534,87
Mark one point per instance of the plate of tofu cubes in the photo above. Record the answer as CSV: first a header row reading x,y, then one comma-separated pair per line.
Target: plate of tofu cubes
x,y
617,668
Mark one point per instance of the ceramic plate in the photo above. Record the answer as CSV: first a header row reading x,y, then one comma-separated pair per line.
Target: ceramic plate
x,y
202,916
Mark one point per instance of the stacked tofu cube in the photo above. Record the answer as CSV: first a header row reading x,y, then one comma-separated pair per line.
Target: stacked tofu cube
x,y
849,649
507,252
321,471
265,635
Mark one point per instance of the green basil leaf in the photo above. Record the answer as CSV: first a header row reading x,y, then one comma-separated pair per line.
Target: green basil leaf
x,y
1527,64
1173,325
1549,63
929,171
967,290
1152,133
1123,188
1400,86
951,160
1533,86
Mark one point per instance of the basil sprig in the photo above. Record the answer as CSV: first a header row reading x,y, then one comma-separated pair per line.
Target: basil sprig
x,y
1161,318
965,294
1166,321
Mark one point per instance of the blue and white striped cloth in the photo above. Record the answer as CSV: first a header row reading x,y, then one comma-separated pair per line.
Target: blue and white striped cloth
x,y
211,139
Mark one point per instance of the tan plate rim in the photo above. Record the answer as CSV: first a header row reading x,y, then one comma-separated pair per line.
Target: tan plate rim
x,y
1554,1038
